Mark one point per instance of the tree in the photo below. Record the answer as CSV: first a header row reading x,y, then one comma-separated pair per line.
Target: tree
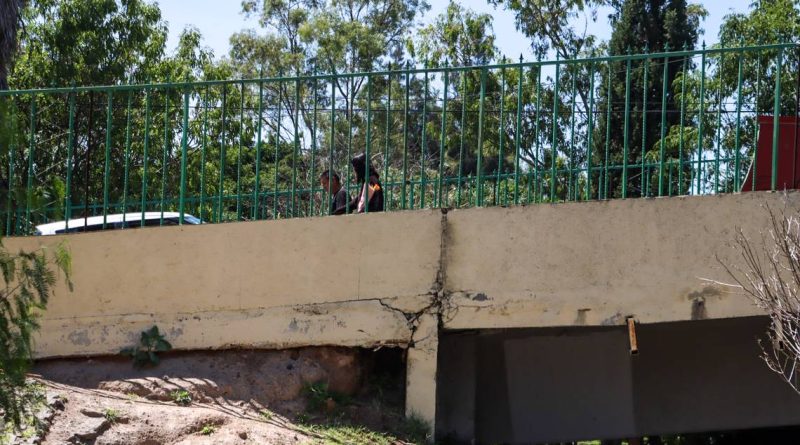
x,y
547,24
768,272
9,22
641,26
29,280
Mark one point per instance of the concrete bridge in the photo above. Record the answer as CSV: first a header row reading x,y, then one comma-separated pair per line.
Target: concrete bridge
x,y
515,319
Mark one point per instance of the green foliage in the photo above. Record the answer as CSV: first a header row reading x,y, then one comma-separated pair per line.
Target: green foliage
x,y
28,279
112,415
151,342
181,397
208,429
318,396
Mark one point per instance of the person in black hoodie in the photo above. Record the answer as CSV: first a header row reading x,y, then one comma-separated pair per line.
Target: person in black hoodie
x,y
370,194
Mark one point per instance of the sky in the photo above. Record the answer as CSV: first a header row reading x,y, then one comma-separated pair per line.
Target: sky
x,y
218,19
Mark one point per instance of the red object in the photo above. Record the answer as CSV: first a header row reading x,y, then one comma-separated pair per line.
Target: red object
x,y
788,156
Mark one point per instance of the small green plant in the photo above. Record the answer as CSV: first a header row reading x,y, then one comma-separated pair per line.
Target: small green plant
x,y
208,429
146,352
302,419
266,414
416,429
319,396
181,397
111,415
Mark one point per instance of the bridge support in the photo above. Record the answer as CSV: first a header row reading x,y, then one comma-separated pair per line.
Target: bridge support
x,y
421,371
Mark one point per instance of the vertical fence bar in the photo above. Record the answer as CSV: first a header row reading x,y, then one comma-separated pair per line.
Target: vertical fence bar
x,y
446,76
127,158
479,194
107,168
538,158
239,154
350,104
184,142
223,155
405,136
145,153
70,149
571,192
257,187
682,127
719,122
776,117
590,132
296,119
500,131
203,156
424,147
165,157
645,92
368,143
517,127
11,150
626,129
757,125
387,190
463,124
700,119
738,141
661,150
333,141
313,179
553,148
32,140
277,150
608,133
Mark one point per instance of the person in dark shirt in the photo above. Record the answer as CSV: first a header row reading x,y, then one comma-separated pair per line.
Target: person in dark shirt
x,y
370,192
339,196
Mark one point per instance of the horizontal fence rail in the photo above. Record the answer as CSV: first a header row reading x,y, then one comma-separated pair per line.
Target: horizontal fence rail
x,y
685,122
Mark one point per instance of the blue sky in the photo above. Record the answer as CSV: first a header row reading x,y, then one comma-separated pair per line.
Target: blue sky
x,y
218,19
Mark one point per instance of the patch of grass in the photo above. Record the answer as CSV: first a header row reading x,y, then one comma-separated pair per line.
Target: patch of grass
x,y
318,396
348,434
111,415
208,430
266,414
181,397
416,429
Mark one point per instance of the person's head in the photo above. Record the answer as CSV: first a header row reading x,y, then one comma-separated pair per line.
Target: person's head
x,y
359,163
330,179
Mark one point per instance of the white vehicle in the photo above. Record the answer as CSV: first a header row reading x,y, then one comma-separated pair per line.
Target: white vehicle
x,y
116,221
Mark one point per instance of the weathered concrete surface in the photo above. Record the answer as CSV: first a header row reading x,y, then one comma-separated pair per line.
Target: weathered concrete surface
x,y
397,278
594,263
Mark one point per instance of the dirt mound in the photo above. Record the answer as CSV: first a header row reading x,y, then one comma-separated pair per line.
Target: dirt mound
x,y
228,397
265,379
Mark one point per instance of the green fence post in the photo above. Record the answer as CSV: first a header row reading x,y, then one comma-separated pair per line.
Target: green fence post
x,y
446,76
184,142
107,168
738,142
405,135
127,157
147,123
203,156
257,187
32,140
553,148
479,189
776,117
517,128
626,129
700,119
70,148
661,151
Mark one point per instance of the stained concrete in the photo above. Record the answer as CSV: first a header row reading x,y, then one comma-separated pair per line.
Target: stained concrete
x,y
401,278
581,383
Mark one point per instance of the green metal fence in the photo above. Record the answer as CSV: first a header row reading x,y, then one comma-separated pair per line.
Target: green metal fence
x,y
663,124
